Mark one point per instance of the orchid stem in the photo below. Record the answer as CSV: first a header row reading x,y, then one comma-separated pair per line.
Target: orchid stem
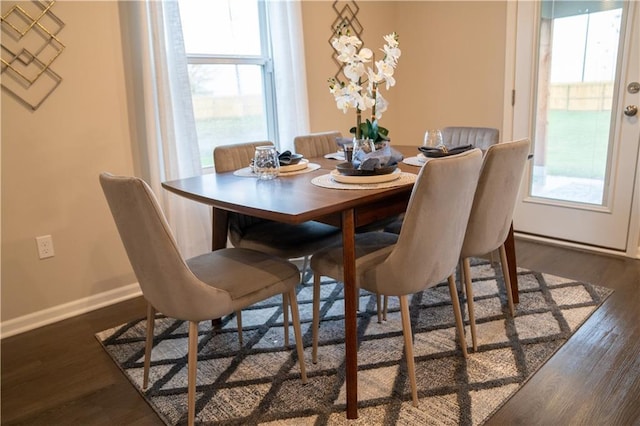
x,y
373,108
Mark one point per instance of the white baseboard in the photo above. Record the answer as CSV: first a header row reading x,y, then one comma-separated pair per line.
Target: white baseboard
x,y
67,310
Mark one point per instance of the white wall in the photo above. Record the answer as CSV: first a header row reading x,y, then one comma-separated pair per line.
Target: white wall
x,y
52,158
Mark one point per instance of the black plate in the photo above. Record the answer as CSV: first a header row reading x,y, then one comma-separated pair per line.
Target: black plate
x,y
348,170
295,159
437,153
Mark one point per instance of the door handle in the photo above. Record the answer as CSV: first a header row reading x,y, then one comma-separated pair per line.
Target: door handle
x,y
631,110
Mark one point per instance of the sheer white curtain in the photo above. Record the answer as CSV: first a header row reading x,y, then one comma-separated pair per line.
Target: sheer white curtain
x,y
285,26
163,120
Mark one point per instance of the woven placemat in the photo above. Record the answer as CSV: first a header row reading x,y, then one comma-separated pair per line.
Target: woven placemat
x,y
247,172
326,181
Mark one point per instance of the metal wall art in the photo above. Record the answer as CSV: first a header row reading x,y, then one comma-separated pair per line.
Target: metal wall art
x,y
30,44
346,19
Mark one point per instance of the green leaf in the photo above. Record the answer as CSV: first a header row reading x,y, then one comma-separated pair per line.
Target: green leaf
x,y
371,130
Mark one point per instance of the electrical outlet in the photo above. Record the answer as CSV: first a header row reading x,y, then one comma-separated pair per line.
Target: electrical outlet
x,y
45,246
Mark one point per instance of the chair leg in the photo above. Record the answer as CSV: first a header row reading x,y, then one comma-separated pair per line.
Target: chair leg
x,y
408,347
297,331
192,369
461,268
316,317
507,279
151,315
458,315
384,309
285,317
239,322
382,303
470,307
303,273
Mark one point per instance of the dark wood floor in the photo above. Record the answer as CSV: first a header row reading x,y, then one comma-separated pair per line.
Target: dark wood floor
x,y
59,374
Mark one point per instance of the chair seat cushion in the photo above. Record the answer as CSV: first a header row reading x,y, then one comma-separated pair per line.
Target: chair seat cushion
x,y
378,225
248,276
286,240
371,249
394,227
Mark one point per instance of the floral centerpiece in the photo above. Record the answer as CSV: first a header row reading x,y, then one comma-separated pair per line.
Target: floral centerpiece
x,y
362,91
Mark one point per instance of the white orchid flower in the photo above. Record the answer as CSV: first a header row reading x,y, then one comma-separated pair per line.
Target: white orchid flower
x,y
352,88
354,71
385,72
344,103
365,102
339,43
381,105
348,54
391,39
392,53
354,40
365,54
362,90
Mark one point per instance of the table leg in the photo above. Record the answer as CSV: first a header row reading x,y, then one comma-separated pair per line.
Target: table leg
x,y
350,314
510,248
219,225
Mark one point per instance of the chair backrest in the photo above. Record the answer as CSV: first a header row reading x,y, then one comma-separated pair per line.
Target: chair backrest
x,y
495,197
433,229
164,277
316,144
227,158
479,137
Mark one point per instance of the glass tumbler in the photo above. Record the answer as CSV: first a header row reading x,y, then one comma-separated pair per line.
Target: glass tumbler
x,y
433,139
265,163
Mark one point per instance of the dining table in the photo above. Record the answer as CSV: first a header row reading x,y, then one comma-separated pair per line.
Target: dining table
x,y
295,199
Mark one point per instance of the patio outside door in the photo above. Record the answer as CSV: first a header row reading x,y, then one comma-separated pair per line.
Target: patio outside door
x,y
576,63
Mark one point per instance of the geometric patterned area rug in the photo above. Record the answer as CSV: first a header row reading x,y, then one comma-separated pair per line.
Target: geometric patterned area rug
x,y
259,383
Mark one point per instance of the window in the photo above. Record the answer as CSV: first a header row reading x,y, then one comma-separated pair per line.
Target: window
x,y
230,72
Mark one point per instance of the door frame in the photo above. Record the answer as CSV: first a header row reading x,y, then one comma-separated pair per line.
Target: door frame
x,y
518,98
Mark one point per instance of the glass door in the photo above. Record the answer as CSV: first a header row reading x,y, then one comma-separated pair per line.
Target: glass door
x,y
582,57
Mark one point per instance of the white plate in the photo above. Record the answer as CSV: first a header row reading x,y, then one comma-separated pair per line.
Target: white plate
x,y
421,157
295,167
335,175
335,155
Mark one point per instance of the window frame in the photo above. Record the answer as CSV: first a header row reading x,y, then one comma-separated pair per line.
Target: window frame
x,y
264,60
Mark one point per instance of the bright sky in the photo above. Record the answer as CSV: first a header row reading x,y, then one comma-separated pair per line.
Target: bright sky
x,y
570,38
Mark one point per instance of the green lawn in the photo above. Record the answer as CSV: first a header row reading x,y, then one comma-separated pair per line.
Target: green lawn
x,y
222,131
577,143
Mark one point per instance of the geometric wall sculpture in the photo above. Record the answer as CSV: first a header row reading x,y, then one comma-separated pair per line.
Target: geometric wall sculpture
x,y
346,18
30,45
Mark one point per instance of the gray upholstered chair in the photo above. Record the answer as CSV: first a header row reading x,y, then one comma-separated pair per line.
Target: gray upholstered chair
x,y
479,137
201,288
492,213
420,257
292,241
316,144
278,239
